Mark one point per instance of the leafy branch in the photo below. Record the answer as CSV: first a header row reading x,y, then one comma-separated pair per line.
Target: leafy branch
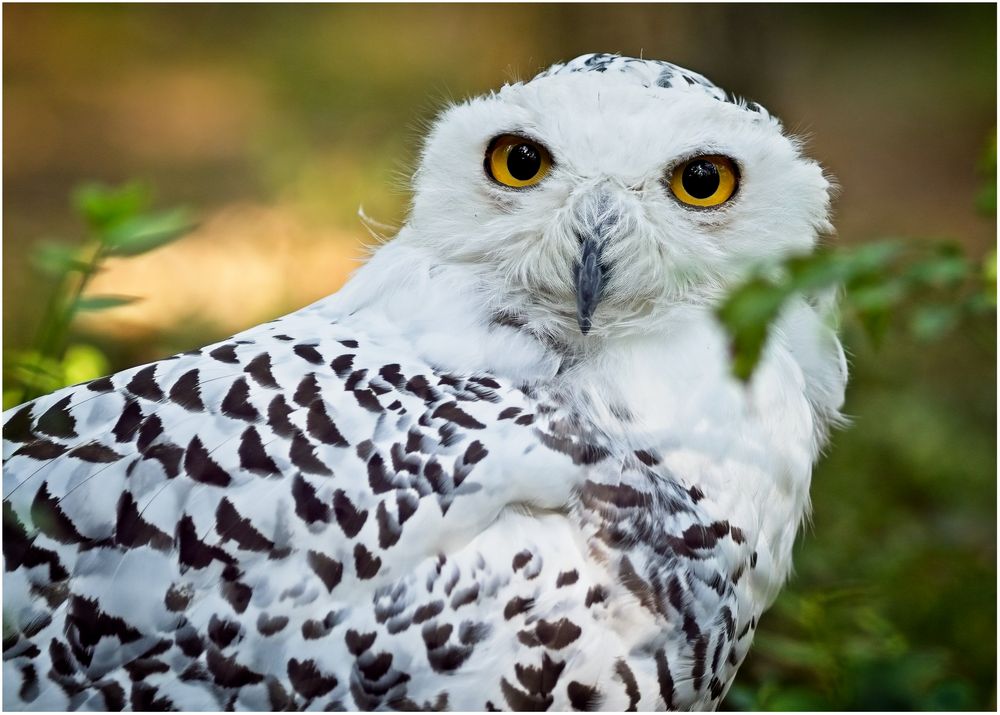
x,y
938,285
119,224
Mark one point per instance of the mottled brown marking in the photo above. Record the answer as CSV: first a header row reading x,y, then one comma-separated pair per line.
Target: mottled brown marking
x,y
358,643
567,578
308,680
329,570
521,559
557,634
366,564
625,674
584,698
516,606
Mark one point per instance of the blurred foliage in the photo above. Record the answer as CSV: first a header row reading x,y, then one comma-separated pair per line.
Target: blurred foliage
x,y
120,224
876,280
848,652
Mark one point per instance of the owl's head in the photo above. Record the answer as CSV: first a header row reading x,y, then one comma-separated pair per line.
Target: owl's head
x,y
596,197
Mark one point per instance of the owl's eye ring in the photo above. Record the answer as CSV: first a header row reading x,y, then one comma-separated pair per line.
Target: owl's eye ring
x,y
705,181
516,162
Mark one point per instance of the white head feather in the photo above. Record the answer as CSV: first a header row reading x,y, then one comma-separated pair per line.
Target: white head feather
x,y
615,135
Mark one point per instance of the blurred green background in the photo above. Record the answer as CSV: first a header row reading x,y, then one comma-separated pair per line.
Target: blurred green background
x,y
275,124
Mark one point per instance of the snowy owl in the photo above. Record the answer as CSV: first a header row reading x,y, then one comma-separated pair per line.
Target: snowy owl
x,y
505,467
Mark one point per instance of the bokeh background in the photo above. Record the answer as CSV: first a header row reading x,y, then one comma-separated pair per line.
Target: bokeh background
x,y
275,124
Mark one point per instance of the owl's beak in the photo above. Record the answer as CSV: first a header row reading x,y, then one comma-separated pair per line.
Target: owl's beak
x,y
589,282
598,222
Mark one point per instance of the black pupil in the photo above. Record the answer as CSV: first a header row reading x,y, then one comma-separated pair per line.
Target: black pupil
x,y
701,178
523,162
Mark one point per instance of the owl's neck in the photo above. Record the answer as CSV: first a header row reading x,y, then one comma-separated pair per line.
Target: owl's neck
x,y
748,449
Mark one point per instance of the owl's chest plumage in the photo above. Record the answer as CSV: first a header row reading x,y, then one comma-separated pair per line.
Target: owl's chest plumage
x,y
306,515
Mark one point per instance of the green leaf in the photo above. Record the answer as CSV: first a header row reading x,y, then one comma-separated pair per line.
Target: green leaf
x,y
877,296
990,267
42,374
875,323
12,397
33,371
141,234
84,362
990,277
933,321
57,259
817,272
870,258
986,199
103,207
102,302
945,269
747,315
826,268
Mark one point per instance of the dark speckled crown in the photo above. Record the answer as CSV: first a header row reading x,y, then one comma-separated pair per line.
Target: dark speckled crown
x,y
647,73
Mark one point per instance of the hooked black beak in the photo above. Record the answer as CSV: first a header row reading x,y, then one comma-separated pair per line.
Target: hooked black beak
x,y
598,223
589,282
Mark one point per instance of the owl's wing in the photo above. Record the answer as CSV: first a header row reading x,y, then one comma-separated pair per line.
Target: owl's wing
x,y
155,519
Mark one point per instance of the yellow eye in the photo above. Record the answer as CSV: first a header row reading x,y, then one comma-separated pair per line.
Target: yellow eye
x,y
705,181
517,162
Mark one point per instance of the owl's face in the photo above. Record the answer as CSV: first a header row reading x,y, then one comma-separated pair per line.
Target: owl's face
x,y
590,201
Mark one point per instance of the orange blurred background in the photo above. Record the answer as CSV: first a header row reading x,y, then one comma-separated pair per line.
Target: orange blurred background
x,y
277,123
